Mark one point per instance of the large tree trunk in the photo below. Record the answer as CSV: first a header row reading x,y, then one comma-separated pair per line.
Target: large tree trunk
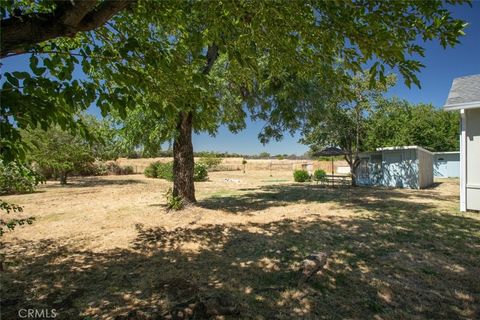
x,y
183,162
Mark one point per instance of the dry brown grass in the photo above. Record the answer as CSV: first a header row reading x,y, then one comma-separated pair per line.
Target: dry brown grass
x,y
102,247
235,164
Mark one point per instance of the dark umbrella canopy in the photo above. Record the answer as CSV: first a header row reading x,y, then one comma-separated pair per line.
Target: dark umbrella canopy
x,y
329,152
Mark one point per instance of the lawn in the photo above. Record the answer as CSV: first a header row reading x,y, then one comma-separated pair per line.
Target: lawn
x,y
106,248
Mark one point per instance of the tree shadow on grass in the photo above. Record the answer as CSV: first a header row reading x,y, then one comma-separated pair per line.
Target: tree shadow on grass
x,y
85,182
357,197
401,261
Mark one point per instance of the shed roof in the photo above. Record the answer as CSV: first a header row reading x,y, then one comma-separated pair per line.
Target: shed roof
x,y
446,152
464,93
404,148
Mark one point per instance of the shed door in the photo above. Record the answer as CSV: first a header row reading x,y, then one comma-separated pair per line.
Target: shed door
x,y
392,169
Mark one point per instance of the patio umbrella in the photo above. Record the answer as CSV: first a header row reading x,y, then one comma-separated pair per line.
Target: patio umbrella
x,y
330,152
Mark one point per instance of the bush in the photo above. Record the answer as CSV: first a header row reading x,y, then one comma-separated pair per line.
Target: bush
x,y
173,202
165,171
301,176
200,172
18,178
151,170
319,175
116,169
100,169
128,170
210,161
94,169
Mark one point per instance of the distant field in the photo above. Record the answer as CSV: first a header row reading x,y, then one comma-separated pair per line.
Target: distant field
x,y
235,164
106,248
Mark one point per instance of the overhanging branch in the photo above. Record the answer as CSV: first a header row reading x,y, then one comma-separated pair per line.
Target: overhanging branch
x,y
20,32
212,55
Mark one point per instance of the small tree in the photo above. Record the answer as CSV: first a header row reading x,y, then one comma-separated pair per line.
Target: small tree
x,y
58,152
244,163
344,117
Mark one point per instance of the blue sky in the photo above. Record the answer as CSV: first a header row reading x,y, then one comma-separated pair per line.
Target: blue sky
x,y
441,66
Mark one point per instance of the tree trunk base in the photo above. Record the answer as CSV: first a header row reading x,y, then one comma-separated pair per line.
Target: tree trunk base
x,y
183,162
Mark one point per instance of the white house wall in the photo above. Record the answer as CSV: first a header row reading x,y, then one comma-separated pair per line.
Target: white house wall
x,y
472,118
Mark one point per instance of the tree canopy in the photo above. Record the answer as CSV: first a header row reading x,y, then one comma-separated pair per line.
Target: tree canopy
x,y
58,152
321,34
341,121
400,123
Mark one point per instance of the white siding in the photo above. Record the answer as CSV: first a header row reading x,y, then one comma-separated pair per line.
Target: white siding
x,y
472,118
425,168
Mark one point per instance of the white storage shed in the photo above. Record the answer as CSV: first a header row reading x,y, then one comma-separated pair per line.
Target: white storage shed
x,y
399,167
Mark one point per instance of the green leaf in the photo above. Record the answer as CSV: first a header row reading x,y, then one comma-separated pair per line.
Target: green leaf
x,y
12,79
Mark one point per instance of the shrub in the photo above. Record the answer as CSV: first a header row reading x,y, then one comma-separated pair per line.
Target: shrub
x,y
173,202
301,176
200,172
151,170
128,170
210,161
100,169
319,175
18,178
116,169
165,171
159,170
94,169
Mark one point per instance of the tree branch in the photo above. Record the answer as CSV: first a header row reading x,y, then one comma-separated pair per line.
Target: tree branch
x,y
21,32
67,53
212,55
